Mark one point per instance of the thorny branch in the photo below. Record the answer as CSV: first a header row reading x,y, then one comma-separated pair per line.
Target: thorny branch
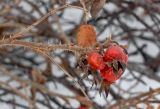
x,y
34,34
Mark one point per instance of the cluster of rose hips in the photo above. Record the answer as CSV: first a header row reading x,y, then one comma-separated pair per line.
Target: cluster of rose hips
x,y
111,63
106,63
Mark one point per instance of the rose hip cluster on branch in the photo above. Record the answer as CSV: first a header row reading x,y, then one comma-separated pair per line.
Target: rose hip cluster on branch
x,y
108,60
111,63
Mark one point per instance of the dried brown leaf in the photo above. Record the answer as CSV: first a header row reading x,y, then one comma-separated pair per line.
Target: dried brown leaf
x,y
96,7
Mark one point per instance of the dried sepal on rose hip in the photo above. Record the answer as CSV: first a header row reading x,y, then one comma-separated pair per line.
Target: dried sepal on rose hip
x,y
95,60
104,87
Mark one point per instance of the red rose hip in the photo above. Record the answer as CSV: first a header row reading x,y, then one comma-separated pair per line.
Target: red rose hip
x,y
95,60
116,52
109,75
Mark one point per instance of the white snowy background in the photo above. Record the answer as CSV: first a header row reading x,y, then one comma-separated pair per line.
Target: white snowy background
x,y
75,15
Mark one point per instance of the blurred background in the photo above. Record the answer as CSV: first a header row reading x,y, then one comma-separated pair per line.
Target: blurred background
x,y
135,23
